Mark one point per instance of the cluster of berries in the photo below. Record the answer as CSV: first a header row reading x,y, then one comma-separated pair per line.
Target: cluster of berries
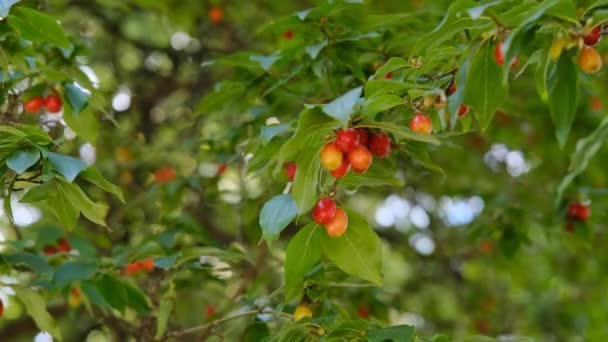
x,y
62,245
52,103
576,212
135,267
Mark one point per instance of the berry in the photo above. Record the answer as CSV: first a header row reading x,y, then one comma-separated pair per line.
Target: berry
x,y
578,211
363,312
347,139
338,224
132,268
34,104
594,36
421,124
50,250
451,89
290,170
147,265
288,34
1,308
221,168
583,213
64,245
360,159
210,311
331,156
164,174
388,76
342,170
216,14
463,110
75,298
301,312
52,103
380,145
363,136
500,59
596,104
486,246
324,210
590,60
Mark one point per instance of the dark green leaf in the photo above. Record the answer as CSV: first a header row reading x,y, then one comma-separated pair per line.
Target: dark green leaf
x,y
307,178
72,271
37,26
276,215
303,252
77,98
33,261
397,333
562,86
165,308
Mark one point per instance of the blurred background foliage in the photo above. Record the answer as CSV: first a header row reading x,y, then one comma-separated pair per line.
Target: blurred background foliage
x,y
472,245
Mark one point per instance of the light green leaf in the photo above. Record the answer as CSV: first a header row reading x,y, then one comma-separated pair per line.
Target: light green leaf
x,y
382,86
343,107
93,211
380,103
68,166
265,61
166,306
85,124
269,132
276,215
485,90
393,64
22,160
562,86
35,306
358,251
396,333
38,27
303,252
314,50
380,173
399,132
307,178
93,175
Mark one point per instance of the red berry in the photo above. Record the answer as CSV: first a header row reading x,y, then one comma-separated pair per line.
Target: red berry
x,y
34,104
578,211
64,245
584,212
421,124
147,265
75,292
360,159
52,103
596,104
331,156
363,312
216,14
594,36
500,59
288,34
569,227
50,250
221,169
451,89
363,136
380,145
338,224
486,246
132,268
164,174
210,311
324,210
1,308
388,76
342,170
290,170
463,110
347,139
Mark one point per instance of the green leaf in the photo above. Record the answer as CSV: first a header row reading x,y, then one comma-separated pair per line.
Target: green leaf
x,y
421,155
456,99
5,7
269,132
93,211
343,107
22,160
112,291
399,132
35,306
72,271
485,90
77,98
303,252
136,299
276,215
33,261
393,64
93,175
380,173
314,50
307,178
265,61
562,86
358,251
166,306
38,27
373,87
586,149
68,166
85,124
397,333
380,103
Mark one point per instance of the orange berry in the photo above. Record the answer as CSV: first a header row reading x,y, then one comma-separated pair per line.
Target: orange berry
x,y
338,224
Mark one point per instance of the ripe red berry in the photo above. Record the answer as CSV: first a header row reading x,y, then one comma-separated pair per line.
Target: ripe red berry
x,y
363,312
210,311
380,145
288,34
64,245
1,308
421,124
578,211
331,156
147,265
342,170
221,168
338,224
132,268
500,59
360,159
50,250
363,136
290,170
594,36
596,104
34,104
52,103
451,89
388,76
164,174
216,14
463,110
584,212
324,210
347,139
